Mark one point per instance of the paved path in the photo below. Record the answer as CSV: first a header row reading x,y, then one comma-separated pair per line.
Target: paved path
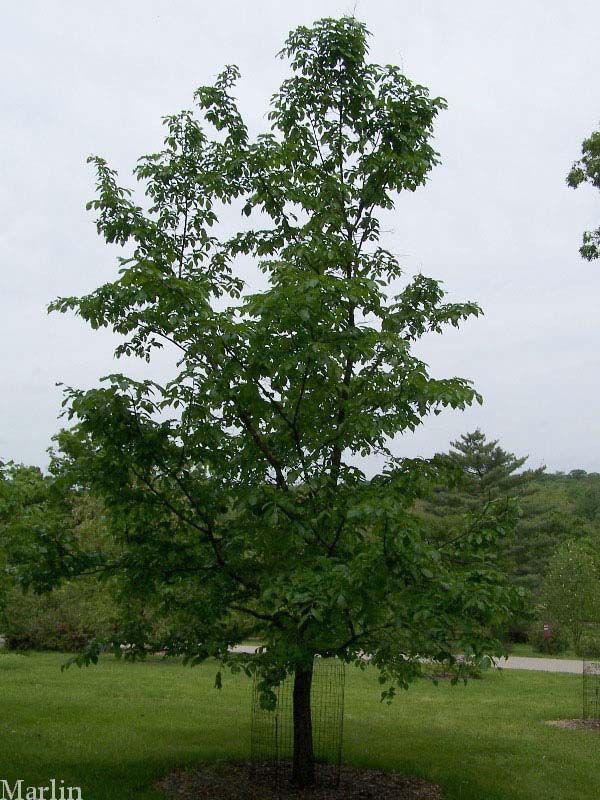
x,y
512,662
541,664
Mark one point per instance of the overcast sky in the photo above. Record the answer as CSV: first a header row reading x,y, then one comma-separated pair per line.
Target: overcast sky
x,y
496,222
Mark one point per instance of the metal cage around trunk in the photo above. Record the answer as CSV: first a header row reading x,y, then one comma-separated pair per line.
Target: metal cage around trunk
x,y
272,734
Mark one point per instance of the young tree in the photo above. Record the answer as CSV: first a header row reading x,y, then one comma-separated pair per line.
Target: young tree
x,y
233,489
587,170
571,589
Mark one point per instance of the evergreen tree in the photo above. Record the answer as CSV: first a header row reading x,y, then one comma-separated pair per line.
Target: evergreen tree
x,y
480,471
488,469
484,474
552,508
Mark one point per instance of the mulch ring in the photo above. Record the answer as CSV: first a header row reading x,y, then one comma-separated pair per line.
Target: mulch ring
x,y
259,781
575,724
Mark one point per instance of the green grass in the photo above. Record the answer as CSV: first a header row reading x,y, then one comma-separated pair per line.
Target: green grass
x,y
530,652
116,728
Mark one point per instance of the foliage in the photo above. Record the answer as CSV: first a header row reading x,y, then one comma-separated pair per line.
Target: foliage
x,y
486,470
556,507
547,518
65,620
551,507
587,170
233,490
588,645
559,640
584,492
33,528
43,524
4,511
571,588
482,475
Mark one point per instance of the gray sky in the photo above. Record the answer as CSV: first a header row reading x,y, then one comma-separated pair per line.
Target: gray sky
x,y
496,223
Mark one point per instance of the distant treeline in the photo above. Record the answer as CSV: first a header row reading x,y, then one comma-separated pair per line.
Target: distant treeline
x,y
553,550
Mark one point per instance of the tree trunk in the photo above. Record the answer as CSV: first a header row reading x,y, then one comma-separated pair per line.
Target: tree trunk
x,y
303,771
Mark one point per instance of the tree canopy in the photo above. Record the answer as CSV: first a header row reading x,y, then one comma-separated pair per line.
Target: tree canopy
x,y
483,470
34,528
235,491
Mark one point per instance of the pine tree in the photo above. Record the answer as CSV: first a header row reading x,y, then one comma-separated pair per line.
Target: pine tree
x,y
484,476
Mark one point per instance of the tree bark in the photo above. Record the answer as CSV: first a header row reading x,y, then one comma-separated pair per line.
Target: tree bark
x,y
303,770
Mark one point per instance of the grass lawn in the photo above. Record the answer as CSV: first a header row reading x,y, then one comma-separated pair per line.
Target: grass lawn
x,y
115,728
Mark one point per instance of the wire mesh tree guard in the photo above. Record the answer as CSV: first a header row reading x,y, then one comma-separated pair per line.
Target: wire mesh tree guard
x,y
272,733
590,642
591,689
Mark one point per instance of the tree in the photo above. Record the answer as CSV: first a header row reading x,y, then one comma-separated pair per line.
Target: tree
x,y
586,497
34,516
233,490
546,519
571,589
483,472
34,519
587,170
5,487
489,470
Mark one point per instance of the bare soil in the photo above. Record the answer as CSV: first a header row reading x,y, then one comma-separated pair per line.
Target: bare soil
x,y
263,782
575,724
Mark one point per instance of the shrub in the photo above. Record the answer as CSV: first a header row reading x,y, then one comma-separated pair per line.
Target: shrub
x,y
64,620
558,641
588,645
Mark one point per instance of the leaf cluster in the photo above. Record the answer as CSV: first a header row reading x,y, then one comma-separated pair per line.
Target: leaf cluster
x,y
587,170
